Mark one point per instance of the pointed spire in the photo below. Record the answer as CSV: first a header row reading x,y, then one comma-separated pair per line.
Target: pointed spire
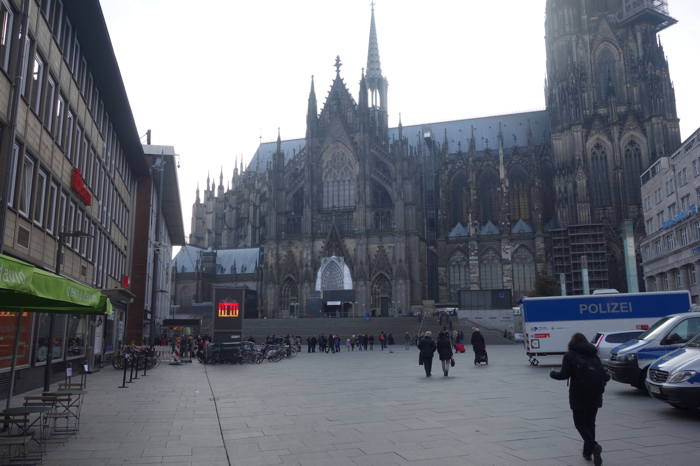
x,y
279,141
207,180
374,68
311,112
530,138
235,167
362,104
241,171
472,142
501,155
400,128
445,143
197,196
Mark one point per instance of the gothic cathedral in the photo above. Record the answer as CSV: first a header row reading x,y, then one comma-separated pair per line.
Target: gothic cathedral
x,y
360,217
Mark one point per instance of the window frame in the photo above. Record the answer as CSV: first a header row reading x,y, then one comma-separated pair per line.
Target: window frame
x,y
51,207
40,184
26,185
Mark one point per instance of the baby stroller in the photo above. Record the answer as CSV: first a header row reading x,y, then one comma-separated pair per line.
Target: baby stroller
x,y
481,358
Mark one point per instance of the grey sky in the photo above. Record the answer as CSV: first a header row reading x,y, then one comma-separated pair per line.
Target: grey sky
x,y
212,76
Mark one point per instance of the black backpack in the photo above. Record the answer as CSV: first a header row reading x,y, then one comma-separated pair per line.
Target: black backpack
x,y
590,375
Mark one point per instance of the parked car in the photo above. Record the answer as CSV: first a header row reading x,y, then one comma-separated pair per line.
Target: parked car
x,y
606,341
630,361
675,378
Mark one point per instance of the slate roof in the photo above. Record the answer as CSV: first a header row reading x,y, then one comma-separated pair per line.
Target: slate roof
x,y
514,127
245,260
490,229
521,227
459,231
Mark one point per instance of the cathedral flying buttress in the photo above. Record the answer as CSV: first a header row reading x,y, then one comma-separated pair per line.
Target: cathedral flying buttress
x,y
361,218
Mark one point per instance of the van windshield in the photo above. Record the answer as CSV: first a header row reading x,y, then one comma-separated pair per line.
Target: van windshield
x,y
658,327
695,342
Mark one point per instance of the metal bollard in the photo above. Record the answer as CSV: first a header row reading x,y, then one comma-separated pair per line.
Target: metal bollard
x,y
136,372
123,385
131,373
145,364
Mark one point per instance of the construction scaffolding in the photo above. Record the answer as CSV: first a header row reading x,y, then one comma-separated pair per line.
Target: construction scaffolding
x,y
653,11
569,247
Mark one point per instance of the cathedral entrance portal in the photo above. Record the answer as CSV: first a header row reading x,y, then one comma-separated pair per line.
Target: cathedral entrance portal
x,y
334,282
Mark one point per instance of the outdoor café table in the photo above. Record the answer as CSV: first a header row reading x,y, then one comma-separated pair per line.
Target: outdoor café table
x,y
70,404
26,430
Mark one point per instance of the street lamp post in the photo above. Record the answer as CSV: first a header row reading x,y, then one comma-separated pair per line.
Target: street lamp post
x,y
59,260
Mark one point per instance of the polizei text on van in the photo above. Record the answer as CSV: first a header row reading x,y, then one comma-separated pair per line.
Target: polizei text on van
x,y
605,308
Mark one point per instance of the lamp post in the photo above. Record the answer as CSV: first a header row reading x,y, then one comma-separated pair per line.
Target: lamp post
x,y
59,260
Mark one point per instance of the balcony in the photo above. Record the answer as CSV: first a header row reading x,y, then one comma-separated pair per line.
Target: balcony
x,y
652,11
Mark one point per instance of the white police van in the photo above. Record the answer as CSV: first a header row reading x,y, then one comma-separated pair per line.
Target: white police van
x,y
549,322
675,378
630,362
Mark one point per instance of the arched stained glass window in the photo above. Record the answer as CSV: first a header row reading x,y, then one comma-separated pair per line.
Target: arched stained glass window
x,y
288,294
332,277
607,77
523,272
458,200
490,271
339,181
633,168
600,186
519,195
488,197
458,271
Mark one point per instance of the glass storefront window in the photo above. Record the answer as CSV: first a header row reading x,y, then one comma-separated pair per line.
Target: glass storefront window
x,y
75,336
109,334
42,337
8,327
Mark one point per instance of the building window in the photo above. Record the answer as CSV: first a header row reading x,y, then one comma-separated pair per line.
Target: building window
x,y
490,271
36,83
28,47
288,295
650,226
58,114
76,227
670,242
7,17
633,168
25,189
69,222
664,282
458,274
677,279
683,236
692,274
49,103
51,212
68,150
669,187
40,197
600,186
77,145
523,271
67,40
14,165
671,210
61,213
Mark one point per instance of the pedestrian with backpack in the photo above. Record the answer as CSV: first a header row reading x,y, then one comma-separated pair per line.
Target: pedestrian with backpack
x,y
587,378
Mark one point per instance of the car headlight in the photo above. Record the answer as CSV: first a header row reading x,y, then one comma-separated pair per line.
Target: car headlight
x,y
631,357
681,376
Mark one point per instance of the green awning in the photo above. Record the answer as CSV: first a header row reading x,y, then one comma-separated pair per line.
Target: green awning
x,y
24,287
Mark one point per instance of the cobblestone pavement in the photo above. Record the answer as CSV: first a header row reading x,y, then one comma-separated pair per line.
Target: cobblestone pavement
x,y
374,408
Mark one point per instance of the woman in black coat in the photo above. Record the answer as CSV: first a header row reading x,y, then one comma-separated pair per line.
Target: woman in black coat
x,y
581,366
478,344
444,349
427,349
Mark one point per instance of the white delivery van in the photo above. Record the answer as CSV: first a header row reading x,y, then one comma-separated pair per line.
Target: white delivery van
x,y
549,322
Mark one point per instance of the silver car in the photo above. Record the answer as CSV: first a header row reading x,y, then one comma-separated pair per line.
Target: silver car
x,y
606,341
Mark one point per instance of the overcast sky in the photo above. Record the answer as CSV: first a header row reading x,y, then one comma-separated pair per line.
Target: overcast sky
x,y
213,76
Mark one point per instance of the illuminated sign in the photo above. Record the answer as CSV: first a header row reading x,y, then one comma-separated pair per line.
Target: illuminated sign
x,y
228,309
78,184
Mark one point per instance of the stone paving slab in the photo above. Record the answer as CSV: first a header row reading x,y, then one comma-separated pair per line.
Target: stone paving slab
x,y
364,409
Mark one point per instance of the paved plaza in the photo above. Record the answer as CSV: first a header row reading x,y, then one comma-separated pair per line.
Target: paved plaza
x,y
362,409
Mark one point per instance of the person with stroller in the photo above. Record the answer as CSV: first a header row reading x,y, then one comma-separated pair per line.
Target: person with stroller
x,y
444,349
479,345
427,349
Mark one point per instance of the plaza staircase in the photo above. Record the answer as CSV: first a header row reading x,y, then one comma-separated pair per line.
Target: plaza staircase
x,y
346,327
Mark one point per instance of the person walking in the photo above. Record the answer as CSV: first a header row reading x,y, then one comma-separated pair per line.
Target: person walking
x,y
371,342
382,340
444,349
427,349
478,344
407,341
587,378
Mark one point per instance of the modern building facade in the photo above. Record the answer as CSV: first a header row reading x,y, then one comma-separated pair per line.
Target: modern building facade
x,y
71,156
456,211
158,226
671,197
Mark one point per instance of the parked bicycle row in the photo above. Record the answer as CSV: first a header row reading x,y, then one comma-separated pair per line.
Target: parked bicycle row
x,y
245,352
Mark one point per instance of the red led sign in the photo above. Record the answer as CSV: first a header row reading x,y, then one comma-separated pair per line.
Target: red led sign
x,y
228,309
78,185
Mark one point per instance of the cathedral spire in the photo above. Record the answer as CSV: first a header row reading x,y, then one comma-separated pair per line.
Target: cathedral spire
x,y
197,195
400,128
207,181
472,142
501,156
312,112
374,67
362,103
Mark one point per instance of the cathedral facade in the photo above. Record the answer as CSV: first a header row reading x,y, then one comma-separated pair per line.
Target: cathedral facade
x,y
360,217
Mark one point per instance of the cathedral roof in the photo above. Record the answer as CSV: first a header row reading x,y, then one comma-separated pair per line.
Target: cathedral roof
x,y
515,127
459,231
244,260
